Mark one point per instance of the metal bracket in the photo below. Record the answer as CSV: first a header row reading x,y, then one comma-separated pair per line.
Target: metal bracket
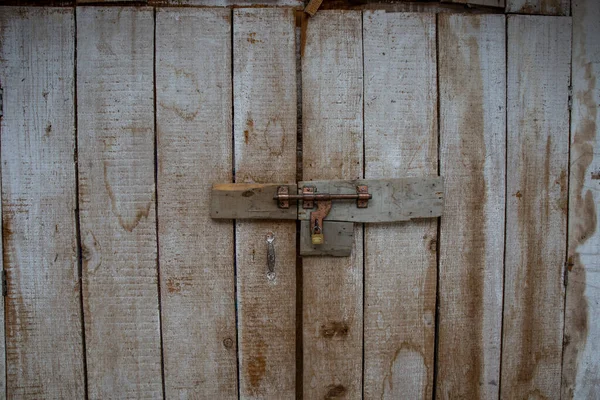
x,y
309,196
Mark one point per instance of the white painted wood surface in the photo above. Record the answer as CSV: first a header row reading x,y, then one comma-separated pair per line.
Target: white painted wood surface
x,y
115,114
544,7
401,138
264,88
332,106
537,155
581,358
194,149
472,67
44,349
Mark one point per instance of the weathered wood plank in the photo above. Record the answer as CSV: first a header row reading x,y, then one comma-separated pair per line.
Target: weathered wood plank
x,y
44,349
115,113
581,359
194,149
544,7
537,155
472,53
264,77
332,105
401,137
400,199
250,201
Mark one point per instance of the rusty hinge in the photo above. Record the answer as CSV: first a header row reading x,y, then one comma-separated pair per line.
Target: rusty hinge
x,y
4,284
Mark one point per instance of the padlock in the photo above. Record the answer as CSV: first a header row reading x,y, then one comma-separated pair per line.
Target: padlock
x,y
317,238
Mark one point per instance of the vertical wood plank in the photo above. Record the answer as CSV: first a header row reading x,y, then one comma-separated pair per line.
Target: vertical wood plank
x,y
264,77
537,155
472,53
116,196
44,349
332,103
581,359
401,139
544,7
194,128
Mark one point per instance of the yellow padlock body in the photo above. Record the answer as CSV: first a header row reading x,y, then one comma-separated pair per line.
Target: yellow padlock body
x,y
317,238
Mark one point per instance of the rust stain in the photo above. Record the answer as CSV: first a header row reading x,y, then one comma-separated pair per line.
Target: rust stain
x,y
335,392
518,195
582,223
257,366
405,348
252,38
302,23
595,175
334,329
175,284
246,136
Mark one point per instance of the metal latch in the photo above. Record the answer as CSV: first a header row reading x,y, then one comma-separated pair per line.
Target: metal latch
x,y
309,197
314,202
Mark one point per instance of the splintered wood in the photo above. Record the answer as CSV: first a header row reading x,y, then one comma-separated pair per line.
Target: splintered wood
x,y
581,360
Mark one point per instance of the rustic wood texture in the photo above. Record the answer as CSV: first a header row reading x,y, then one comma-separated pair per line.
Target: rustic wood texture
x,y
264,76
332,104
401,137
581,357
44,349
250,201
544,7
472,76
338,239
194,149
537,155
117,201
400,199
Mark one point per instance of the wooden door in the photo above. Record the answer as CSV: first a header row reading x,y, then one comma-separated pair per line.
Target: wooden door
x,y
117,121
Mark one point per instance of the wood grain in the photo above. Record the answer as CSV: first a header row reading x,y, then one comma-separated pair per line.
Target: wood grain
x,y
115,114
194,149
544,7
401,137
332,105
44,349
250,201
581,357
537,156
264,77
472,52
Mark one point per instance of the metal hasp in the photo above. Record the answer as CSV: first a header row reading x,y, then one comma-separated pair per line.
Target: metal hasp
x,y
328,209
309,196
